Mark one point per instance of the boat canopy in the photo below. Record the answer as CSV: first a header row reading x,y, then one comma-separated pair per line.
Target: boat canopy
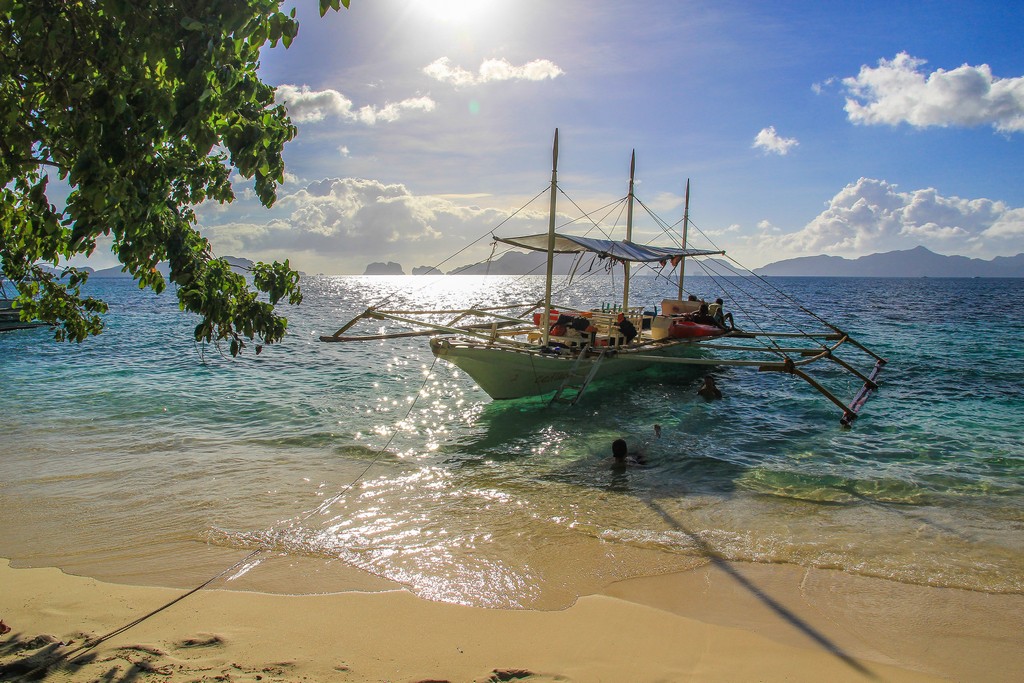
x,y
622,250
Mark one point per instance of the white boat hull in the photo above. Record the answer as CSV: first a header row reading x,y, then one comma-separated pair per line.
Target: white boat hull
x,y
507,373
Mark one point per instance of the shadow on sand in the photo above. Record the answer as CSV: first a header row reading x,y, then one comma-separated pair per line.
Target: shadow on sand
x,y
794,620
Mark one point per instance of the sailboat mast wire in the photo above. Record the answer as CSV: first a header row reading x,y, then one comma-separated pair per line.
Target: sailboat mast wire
x,y
668,230
763,281
596,225
766,284
782,293
715,275
489,233
767,339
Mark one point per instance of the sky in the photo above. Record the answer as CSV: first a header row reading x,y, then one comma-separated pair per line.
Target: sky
x,y
804,128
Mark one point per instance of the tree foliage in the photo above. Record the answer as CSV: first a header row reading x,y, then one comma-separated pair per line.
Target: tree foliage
x,y
145,110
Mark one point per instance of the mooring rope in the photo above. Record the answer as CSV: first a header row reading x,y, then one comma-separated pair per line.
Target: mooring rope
x,y
92,643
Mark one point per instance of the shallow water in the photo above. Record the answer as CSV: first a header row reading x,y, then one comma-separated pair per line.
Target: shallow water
x,y
138,456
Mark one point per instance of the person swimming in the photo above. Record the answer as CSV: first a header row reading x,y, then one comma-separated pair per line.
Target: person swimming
x,y
622,457
709,391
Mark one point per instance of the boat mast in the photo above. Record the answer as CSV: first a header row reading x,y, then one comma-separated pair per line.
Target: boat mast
x,y
629,234
551,241
686,224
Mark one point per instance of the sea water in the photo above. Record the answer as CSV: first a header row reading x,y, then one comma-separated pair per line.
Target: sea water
x,y
140,456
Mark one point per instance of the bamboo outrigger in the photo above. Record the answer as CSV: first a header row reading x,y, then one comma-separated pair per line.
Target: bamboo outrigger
x,y
542,348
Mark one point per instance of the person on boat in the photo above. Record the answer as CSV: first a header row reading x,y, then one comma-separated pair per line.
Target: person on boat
x,y
569,325
561,325
702,316
709,391
622,457
721,318
692,297
627,328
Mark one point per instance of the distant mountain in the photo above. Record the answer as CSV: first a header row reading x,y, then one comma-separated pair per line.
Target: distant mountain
x,y
519,263
917,262
389,268
238,264
117,271
717,267
426,270
516,263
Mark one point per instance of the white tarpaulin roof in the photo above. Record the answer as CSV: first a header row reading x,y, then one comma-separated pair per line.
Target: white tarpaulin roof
x,y
622,250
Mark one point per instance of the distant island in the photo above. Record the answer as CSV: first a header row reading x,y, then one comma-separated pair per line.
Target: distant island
x,y
516,263
389,268
917,262
238,264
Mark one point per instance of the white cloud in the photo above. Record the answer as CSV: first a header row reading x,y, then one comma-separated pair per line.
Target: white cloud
x,y
338,225
1009,226
770,141
442,70
305,105
393,110
727,231
873,215
898,91
819,88
309,106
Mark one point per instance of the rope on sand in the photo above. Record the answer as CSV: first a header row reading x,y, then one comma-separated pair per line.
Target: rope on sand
x,y
71,656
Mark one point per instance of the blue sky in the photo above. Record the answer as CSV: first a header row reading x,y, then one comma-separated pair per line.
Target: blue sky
x,y
805,127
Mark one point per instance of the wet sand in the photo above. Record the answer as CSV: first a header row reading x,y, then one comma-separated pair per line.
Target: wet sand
x,y
723,622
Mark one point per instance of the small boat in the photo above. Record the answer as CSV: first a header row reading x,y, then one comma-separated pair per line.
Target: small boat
x,y
10,317
544,348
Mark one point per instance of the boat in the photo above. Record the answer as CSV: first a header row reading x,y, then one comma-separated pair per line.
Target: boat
x,y
10,317
557,351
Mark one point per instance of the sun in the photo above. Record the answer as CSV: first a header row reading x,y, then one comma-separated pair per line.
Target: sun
x,y
456,11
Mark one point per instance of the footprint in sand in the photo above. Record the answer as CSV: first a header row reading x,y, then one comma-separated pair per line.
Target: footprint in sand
x,y
207,641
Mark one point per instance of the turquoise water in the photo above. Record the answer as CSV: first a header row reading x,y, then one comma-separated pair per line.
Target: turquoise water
x,y
141,457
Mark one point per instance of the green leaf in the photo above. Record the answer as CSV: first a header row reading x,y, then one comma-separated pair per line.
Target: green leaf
x,y
126,102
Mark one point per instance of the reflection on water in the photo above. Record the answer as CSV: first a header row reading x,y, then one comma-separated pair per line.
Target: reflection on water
x,y
135,457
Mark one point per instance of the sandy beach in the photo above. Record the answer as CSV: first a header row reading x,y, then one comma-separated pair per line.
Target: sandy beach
x,y
723,622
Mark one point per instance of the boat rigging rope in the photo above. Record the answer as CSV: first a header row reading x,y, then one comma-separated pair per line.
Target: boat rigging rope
x,y
809,312
768,340
715,275
667,230
754,298
768,285
323,507
595,225
489,233
91,643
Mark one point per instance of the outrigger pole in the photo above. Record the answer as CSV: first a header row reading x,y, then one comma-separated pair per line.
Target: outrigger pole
x,y
551,242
